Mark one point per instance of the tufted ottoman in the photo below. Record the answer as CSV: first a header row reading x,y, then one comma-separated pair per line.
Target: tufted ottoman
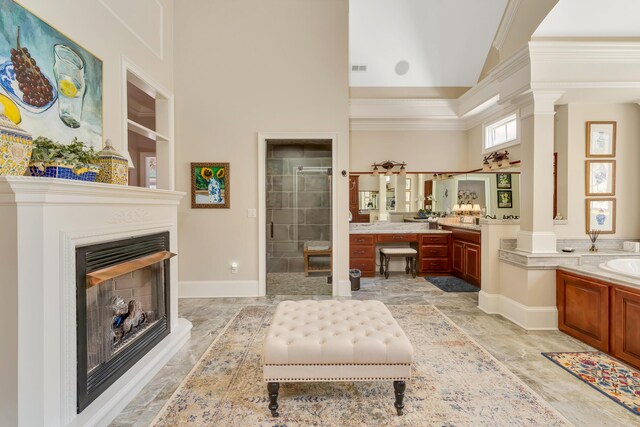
x,y
335,341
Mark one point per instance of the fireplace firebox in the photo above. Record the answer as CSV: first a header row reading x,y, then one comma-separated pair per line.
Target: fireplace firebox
x,y
122,308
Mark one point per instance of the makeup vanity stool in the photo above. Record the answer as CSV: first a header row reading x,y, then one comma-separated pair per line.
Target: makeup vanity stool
x,y
410,255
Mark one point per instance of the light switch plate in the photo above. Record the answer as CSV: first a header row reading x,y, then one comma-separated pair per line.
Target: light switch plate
x,y
251,213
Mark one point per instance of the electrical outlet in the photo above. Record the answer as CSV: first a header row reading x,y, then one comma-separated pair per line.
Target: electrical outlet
x,y
234,267
251,213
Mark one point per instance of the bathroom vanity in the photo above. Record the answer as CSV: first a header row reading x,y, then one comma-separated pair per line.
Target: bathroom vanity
x,y
465,252
600,309
433,246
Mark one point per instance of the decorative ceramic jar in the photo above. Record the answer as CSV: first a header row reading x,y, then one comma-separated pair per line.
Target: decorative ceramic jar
x,y
114,167
15,147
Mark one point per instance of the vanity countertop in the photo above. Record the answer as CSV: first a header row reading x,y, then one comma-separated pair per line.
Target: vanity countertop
x,y
593,271
463,226
393,228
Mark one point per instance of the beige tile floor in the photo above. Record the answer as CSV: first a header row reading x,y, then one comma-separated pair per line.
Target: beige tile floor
x,y
518,349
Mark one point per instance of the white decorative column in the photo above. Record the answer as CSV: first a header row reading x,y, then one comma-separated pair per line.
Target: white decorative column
x,y
382,198
536,180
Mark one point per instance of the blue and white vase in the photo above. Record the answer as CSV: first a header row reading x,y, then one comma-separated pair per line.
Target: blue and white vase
x,y
214,191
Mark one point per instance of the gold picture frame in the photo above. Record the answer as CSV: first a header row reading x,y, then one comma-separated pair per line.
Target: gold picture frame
x,y
600,177
600,214
601,139
210,185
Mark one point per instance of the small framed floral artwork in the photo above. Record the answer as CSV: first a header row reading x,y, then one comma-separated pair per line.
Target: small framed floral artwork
x,y
601,139
600,177
210,185
505,199
503,180
601,215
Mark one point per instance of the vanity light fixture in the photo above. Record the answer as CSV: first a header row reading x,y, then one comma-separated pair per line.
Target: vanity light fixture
x,y
388,165
496,160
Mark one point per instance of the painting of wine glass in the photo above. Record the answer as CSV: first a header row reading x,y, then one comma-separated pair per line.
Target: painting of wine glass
x,y
50,85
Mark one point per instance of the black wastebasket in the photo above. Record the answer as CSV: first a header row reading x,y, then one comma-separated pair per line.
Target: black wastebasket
x,y
354,278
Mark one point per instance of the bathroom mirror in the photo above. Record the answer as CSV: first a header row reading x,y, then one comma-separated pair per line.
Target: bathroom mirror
x,y
497,193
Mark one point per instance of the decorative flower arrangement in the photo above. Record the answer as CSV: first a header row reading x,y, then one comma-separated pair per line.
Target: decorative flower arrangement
x,y
54,160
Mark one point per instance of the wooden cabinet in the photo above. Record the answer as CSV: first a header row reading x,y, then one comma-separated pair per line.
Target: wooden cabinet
x,y
625,333
465,254
362,249
603,315
583,309
433,254
433,251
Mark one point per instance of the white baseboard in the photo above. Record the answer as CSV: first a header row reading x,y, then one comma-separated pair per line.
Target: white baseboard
x,y
219,289
529,318
110,403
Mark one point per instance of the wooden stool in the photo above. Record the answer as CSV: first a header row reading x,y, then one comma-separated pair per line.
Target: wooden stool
x,y
316,248
410,255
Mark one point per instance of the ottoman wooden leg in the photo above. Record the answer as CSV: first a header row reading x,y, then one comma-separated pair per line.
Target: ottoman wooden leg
x,y
273,397
381,263
414,265
407,269
398,387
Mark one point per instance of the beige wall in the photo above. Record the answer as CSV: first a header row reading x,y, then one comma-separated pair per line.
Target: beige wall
x,y
423,151
260,66
627,157
92,26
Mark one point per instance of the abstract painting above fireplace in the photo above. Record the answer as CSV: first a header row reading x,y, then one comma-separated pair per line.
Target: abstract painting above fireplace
x,y
122,308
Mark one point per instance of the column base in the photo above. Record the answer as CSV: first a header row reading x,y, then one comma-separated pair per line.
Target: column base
x,y
537,242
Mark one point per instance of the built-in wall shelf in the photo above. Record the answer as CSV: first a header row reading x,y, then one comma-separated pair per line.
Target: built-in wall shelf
x,y
145,131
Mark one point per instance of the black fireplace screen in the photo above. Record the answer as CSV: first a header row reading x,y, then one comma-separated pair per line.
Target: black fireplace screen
x,y
122,291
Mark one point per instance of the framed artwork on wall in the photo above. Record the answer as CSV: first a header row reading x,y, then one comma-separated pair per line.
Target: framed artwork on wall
x,y
600,177
505,199
210,185
601,139
601,215
503,180
48,83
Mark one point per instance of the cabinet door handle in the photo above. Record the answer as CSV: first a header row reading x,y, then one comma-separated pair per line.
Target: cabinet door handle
x,y
272,229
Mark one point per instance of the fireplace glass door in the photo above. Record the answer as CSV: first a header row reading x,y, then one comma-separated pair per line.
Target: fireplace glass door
x,y
122,291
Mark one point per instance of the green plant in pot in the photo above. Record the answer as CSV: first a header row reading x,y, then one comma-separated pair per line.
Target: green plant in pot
x,y
72,161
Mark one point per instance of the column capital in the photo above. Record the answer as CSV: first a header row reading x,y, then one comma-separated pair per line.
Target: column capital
x,y
544,101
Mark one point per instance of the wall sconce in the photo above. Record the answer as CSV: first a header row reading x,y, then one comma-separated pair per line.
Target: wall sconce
x,y
496,160
388,166
441,176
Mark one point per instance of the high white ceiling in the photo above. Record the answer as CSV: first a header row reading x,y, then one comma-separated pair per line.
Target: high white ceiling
x,y
592,18
444,42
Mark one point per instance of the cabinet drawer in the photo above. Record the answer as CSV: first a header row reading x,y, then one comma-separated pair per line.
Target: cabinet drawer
x,y
434,252
361,251
361,239
397,238
362,264
435,265
435,239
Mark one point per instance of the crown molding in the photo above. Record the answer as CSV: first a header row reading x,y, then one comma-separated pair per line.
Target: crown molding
x,y
593,52
402,108
425,124
505,24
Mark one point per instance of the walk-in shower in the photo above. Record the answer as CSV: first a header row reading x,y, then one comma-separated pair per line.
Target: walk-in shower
x,y
298,217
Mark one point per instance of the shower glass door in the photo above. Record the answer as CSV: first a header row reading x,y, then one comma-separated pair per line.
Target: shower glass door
x,y
299,228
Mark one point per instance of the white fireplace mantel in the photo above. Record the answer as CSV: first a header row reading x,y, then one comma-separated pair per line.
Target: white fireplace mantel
x,y
42,221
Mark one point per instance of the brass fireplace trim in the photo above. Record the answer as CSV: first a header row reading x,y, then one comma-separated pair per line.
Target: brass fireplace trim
x,y
96,277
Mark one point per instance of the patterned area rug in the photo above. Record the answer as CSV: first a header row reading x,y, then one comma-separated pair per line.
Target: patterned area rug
x,y
615,380
452,284
455,382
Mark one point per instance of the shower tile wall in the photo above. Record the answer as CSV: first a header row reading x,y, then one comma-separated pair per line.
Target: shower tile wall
x,y
285,249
